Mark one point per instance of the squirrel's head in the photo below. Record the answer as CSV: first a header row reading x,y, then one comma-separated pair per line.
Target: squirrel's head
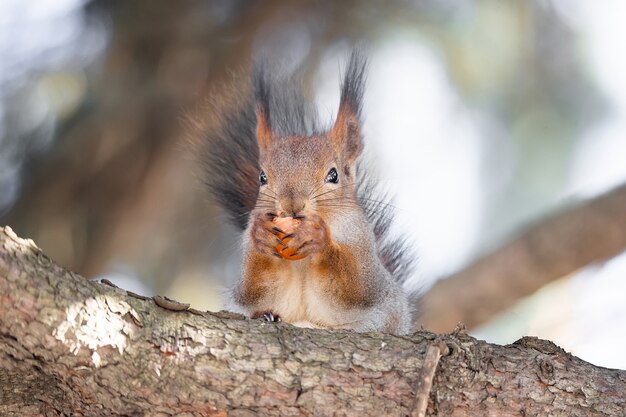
x,y
300,174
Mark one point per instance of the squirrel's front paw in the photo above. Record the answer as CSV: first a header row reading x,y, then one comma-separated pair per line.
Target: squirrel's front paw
x,y
265,234
266,316
310,237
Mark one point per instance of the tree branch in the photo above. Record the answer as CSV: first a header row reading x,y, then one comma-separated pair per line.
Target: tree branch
x,y
69,346
591,232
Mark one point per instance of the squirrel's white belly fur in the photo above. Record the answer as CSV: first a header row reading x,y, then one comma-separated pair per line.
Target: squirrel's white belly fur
x,y
297,299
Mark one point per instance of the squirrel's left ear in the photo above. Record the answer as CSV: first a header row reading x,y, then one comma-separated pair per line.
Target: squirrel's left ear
x,y
346,133
262,109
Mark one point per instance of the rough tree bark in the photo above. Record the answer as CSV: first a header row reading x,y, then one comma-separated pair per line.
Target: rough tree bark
x,y
593,231
69,346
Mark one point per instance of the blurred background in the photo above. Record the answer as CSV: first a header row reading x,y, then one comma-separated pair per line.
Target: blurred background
x,y
482,116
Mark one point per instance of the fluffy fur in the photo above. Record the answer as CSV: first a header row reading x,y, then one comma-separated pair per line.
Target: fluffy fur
x,y
355,283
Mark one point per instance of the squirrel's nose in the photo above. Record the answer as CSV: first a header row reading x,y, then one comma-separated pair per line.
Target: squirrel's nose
x,y
292,207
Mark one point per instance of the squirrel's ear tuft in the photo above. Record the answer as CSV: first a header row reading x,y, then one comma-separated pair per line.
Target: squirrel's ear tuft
x,y
346,133
262,99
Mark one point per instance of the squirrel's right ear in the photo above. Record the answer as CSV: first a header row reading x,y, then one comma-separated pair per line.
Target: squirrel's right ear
x,y
262,111
346,133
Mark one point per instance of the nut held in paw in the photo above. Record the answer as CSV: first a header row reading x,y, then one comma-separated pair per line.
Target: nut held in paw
x,y
287,225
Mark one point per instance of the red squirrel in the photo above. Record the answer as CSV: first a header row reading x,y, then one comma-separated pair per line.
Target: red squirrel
x,y
317,248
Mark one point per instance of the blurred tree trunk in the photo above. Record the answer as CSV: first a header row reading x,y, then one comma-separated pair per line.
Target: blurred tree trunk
x,y
69,346
120,175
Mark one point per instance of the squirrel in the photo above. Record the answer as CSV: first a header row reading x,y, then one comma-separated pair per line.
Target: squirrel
x,y
317,249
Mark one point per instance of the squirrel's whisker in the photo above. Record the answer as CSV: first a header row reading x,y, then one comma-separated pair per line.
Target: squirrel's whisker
x,y
272,191
316,189
328,192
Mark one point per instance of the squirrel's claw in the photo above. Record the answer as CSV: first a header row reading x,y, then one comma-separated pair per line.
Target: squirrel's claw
x,y
267,316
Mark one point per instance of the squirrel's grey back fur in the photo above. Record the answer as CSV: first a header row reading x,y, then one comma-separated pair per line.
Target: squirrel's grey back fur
x,y
230,152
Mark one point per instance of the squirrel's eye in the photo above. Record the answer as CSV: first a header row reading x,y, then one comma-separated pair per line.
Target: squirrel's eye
x,y
332,176
262,178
